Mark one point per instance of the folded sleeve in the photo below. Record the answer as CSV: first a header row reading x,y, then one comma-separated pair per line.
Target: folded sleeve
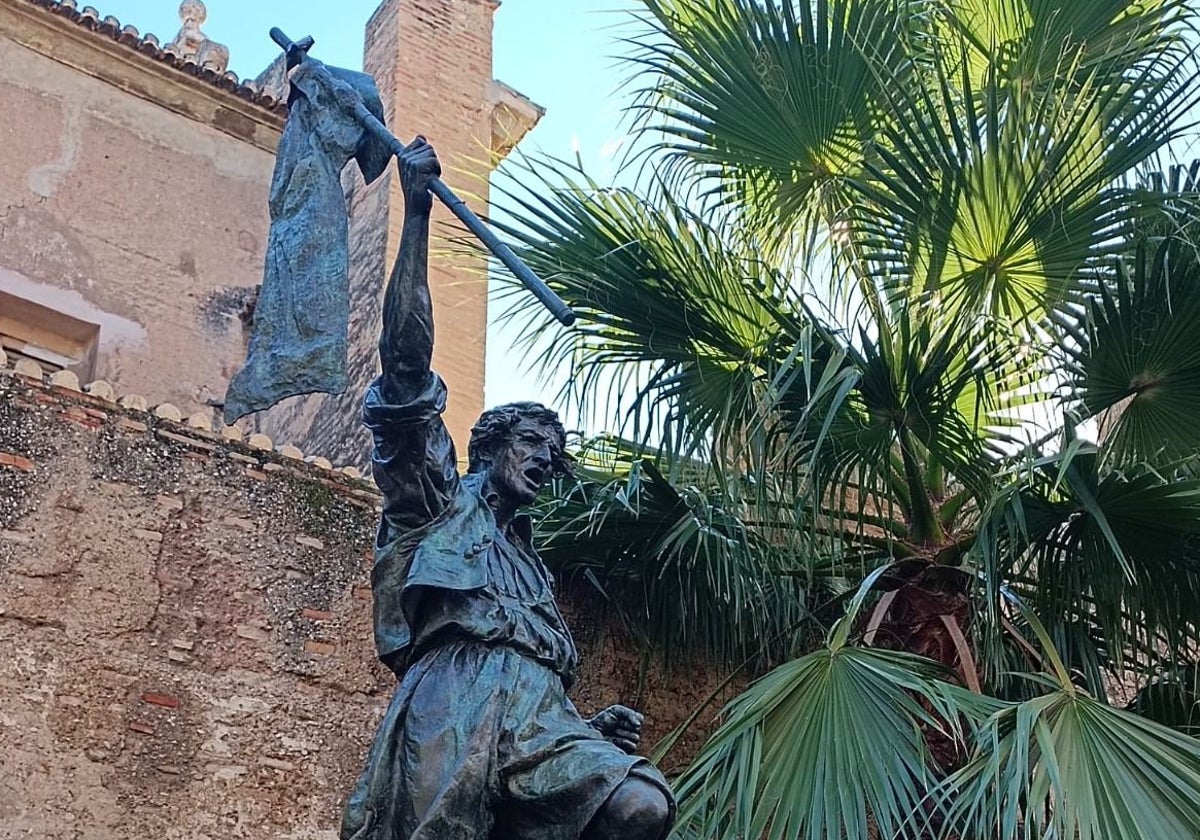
x,y
414,462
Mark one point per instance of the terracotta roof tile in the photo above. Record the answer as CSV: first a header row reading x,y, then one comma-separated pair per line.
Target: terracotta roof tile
x,y
109,27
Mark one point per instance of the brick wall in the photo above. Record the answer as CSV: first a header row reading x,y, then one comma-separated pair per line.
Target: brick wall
x,y
185,633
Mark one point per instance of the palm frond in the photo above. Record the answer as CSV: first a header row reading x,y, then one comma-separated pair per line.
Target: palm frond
x,y
994,198
678,317
1026,39
1067,765
825,745
1110,559
1138,368
772,105
685,574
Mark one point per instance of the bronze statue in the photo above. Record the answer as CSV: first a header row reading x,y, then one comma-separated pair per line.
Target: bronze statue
x,y
480,740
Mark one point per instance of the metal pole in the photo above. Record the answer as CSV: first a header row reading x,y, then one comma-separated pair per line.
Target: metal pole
x,y
557,306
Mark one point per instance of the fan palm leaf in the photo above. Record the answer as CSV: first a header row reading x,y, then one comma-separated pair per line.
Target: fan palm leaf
x,y
825,745
994,200
773,105
1066,765
687,308
1139,367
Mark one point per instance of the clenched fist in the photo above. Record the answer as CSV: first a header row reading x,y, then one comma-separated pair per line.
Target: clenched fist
x,y
418,166
621,725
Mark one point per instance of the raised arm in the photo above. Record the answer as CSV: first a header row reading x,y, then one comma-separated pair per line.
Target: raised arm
x,y
406,341
414,462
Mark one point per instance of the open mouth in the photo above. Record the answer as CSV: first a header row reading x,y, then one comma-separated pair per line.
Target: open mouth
x,y
534,476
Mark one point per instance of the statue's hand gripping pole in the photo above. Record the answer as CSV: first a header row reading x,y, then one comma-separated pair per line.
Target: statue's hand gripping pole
x,y
297,51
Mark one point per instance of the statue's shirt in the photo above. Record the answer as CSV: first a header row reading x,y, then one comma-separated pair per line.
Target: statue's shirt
x,y
445,570
515,608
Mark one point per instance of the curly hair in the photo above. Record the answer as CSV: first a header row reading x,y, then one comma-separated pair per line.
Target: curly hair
x,y
492,431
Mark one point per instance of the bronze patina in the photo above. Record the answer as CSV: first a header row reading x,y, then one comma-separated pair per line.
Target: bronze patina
x,y
480,741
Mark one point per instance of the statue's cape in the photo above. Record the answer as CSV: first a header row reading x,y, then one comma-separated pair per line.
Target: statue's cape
x,y
298,337
448,553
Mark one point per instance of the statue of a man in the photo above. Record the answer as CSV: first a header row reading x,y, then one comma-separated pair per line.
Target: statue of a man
x,y
480,741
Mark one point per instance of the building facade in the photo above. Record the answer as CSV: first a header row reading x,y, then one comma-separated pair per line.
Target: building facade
x,y
133,214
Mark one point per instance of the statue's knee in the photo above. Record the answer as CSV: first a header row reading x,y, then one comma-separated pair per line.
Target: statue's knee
x,y
640,807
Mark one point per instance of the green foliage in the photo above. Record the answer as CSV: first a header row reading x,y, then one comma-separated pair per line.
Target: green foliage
x,y
676,564
885,261
1139,366
825,744
1066,765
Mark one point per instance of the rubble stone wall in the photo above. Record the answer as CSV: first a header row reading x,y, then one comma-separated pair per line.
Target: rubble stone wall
x,y
185,633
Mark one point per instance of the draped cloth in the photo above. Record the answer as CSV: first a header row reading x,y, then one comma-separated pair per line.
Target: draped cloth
x,y
480,741
298,336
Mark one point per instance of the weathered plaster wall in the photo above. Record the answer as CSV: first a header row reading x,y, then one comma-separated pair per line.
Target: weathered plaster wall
x,y
185,647
133,196
119,211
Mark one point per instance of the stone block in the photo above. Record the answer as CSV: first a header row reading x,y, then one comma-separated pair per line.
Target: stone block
x,y
239,522
259,441
169,502
29,368
101,390
134,401
168,412
167,701
253,633
65,379
200,420
10,459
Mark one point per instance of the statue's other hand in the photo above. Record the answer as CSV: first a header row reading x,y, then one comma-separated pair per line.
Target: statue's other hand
x,y
418,166
621,725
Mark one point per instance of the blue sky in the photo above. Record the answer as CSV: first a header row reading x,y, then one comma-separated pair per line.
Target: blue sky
x,y
560,53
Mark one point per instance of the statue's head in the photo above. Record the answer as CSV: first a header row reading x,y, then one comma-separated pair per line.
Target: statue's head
x,y
192,13
520,446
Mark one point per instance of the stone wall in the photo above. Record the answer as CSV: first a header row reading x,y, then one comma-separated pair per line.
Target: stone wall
x,y
185,639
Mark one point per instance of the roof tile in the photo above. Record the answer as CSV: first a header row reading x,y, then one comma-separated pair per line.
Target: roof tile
x,y
109,27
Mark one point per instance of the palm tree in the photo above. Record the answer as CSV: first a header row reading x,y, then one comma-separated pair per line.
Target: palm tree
x,y
886,260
